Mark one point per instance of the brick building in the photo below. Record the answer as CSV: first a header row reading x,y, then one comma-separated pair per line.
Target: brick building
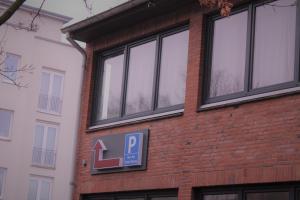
x,y
180,103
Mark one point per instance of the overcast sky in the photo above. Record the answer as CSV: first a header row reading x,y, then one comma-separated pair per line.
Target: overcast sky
x,y
75,8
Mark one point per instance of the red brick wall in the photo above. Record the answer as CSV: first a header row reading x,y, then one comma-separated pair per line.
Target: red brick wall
x,y
250,143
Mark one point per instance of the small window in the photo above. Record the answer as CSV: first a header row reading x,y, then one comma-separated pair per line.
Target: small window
x,y
275,191
268,196
254,50
2,181
11,64
44,147
40,188
51,92
221,197
143,78
141,195
5,123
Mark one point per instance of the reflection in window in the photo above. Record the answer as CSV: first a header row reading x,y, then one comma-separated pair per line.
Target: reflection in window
x,y
11,65
39,188
229,55
221,197
111,88
140,78
274,46
164,198
246,58
173,69
268,196
2,181
51,92
5,122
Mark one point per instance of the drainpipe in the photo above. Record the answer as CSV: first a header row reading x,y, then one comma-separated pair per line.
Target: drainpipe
x,y
83,53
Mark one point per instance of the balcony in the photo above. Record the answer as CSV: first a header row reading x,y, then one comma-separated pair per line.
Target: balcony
x,y
43,157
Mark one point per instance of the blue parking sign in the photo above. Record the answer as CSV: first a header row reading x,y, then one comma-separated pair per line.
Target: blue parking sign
x,y
133,149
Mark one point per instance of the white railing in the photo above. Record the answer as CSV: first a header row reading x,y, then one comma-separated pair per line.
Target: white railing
x,y
43,157
50,104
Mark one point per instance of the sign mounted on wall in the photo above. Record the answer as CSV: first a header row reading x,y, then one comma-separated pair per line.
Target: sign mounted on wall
x,y
120,152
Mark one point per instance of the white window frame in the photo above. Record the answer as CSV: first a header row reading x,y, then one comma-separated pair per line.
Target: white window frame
x,y
52,72
10,125
7,80
4,181
39,179
45,125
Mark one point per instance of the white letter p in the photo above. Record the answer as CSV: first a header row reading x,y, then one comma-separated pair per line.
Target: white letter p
x,y
132,143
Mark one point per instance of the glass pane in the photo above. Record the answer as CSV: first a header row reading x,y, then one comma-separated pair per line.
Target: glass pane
x,y
56,85
55,99
39,136
268,196
274,47
164,198
45,83
2,177
5,120
50,144
111,87
38,144
11,65
45,190
221,197
33,187
140,78
229,55
174,58
43,96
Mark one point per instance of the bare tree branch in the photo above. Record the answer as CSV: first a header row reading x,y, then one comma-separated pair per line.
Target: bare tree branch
x,y
87,6
37,14
17,81
10,11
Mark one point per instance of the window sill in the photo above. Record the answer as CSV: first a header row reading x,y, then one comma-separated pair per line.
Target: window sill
x,y
7,139
9,82
247,99
136,120
49,113
42,166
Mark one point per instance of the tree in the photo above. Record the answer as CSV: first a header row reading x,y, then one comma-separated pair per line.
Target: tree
x,y
10,11
6,71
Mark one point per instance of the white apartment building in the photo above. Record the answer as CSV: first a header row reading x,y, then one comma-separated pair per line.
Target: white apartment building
x,y
38,122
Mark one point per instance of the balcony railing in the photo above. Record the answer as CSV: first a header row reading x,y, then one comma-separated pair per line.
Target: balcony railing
x,y
50,104
43,157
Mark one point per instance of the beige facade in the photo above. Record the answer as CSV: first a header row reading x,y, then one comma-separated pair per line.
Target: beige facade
x,y
39,121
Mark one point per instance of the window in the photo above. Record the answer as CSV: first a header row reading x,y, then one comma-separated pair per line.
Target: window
x,y
2,181
282,191
255,50
141,78
44,147
143,195
40,188
11,65
51,92
5,123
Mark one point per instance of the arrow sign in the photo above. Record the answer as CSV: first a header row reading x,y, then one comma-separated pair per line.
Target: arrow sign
x,y
99,162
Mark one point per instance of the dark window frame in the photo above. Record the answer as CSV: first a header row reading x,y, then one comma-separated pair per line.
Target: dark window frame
x,y
100,57
147,195
292,187
248,89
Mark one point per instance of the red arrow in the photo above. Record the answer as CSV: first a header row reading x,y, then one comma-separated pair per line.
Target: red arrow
x,y
99,162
